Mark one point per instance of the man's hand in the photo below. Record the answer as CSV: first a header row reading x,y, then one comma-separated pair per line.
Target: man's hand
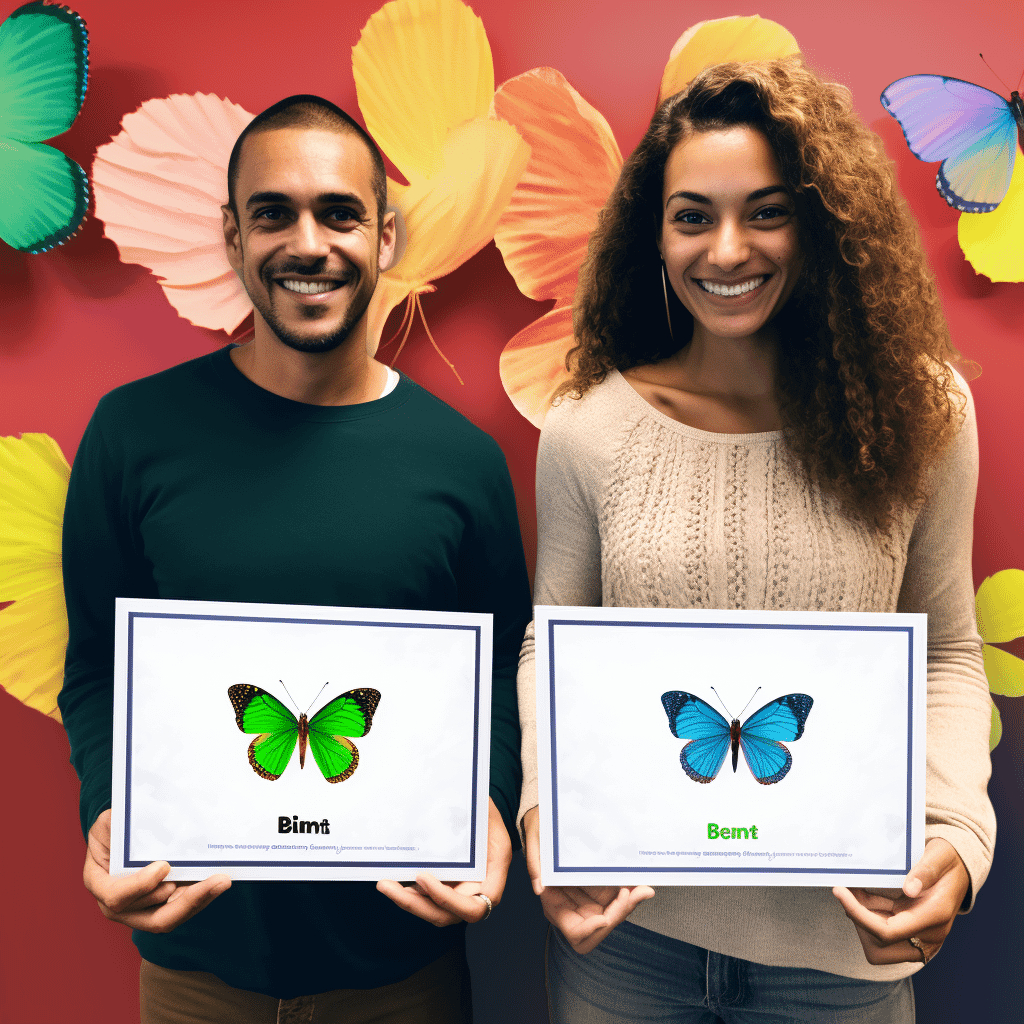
x,y
583,915
933,893
143,900
445,903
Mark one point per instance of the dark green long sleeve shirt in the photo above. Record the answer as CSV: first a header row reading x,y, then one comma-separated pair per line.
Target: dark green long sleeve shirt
x,y
197,484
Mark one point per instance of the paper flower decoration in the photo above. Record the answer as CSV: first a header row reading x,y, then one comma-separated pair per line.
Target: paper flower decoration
x,y
424,82
33,620
1000,608
573,167
160,184
994,242
44,68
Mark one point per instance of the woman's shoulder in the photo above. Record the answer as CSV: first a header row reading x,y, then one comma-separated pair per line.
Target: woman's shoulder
x,y
580,435
602,407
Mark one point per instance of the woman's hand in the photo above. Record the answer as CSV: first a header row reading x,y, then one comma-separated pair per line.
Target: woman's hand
x,y
584,915
934,891
445,903
143,900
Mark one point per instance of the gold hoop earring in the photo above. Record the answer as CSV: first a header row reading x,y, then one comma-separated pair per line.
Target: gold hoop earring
x,y
664,290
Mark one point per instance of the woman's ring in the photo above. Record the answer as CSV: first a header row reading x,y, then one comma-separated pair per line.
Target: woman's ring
x,y
490,907
919,946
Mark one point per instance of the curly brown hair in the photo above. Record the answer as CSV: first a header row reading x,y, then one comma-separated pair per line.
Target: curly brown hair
x,y
865,393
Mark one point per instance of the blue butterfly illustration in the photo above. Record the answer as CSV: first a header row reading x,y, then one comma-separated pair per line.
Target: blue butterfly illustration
x,y
711,735
973,131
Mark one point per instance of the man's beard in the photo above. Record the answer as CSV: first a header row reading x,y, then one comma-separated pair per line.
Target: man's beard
x,y
327,342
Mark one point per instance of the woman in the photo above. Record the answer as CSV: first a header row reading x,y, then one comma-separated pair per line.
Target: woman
x,y
761,414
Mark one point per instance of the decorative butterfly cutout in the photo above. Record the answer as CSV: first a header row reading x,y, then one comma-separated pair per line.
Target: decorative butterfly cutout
x,y
711,735
348,715
44,67
973,131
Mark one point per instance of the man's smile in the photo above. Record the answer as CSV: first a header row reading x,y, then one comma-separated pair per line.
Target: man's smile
x,y
310,287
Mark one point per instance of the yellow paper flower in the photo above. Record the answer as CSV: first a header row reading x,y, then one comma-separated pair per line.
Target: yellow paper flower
x,y
994,242
33,620
425,81
573,167
1000,609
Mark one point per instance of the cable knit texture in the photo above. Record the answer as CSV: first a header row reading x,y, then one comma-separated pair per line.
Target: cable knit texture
x,y
637,510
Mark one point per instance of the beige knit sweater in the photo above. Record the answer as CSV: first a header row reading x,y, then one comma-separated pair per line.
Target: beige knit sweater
x,y
637,510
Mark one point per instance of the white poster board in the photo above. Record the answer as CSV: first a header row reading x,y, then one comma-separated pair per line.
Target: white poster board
x,y
836,733
187,789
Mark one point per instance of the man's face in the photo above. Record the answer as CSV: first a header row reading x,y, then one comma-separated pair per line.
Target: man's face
x,y
306,244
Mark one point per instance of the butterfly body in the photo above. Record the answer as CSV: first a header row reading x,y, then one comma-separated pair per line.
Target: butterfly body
x,y
326,733
972,130
734,739
759,737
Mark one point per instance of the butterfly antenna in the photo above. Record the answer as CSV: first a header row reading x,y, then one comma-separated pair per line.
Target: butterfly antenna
x,y
290,697
747,705
722,702
992,69
318,692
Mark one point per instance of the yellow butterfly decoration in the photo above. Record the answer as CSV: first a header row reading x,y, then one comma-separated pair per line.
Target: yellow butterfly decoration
x,y
33,620
999,603
574,163
424,82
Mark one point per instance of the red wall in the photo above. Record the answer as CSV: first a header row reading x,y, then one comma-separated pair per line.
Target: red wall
x,y
76,322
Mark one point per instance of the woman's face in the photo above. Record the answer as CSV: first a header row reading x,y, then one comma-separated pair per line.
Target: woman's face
x,y
729,232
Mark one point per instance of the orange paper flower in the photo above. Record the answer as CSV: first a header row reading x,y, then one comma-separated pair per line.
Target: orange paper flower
x,y
573,167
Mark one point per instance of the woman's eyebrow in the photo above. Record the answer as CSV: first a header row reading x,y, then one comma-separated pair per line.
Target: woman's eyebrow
x,y
696,197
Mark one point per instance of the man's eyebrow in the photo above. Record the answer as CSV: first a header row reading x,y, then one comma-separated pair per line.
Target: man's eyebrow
x,y
696,197
266,197
324,199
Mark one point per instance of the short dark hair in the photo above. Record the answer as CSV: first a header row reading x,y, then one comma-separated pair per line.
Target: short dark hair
x,y
308,111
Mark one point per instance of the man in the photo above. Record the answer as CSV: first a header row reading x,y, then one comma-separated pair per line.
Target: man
x,y
292,469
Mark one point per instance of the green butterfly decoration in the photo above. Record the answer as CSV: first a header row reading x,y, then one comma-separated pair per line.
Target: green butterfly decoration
x,y
44,67
326,732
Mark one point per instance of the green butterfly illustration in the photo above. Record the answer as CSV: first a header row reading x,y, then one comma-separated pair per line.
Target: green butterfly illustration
x,y
269,754
44,67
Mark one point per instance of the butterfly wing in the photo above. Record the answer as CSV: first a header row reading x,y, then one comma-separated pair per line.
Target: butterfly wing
x,y
258,711
351,714
689,717
43,72
768,759
970,129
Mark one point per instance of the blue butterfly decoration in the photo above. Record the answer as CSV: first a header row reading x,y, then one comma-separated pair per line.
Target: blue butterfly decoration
x,y
711,735
973,131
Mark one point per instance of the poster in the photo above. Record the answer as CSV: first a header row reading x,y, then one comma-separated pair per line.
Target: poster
x,y
294,742
730,748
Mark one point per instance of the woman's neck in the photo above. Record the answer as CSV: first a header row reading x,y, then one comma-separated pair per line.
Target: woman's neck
x,y
725,385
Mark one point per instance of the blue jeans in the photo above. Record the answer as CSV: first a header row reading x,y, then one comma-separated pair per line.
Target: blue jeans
x,y
638,975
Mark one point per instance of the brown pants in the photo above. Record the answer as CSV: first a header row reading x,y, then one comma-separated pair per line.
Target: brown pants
x,y
437,994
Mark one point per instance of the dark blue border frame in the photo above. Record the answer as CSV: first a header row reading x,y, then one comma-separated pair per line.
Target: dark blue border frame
x,y
469,864
715,869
